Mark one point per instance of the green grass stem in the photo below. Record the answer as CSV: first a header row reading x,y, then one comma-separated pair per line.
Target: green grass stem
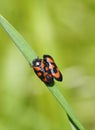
x,y
29,54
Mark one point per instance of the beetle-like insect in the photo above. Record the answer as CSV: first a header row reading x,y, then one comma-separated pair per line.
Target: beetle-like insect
x,y
46,70
42,71
52,67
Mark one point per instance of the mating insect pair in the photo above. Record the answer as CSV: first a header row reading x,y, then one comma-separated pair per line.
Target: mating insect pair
x,y
46,70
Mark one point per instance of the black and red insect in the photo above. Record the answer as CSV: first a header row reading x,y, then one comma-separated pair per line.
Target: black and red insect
x,y
42,71
53,67
46,70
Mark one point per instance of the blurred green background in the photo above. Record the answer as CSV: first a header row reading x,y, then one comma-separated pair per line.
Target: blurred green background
x,y
64,29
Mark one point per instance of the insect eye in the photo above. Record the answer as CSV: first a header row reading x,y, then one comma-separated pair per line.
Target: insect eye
x,y
38,63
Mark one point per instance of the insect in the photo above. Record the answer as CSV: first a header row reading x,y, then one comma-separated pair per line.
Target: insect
x,y
42,71
46,70
49,61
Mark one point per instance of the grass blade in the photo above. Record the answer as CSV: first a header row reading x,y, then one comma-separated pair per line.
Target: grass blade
x,y
29,54
19,41
71,115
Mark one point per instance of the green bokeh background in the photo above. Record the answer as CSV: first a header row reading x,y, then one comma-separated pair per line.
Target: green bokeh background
x,y
64,29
